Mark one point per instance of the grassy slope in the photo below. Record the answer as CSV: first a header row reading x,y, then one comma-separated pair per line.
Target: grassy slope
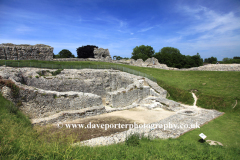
x,y
220,92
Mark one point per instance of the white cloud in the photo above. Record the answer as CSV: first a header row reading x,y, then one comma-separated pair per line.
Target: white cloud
x,y
145,29
112,20
173,40
209,21
24,29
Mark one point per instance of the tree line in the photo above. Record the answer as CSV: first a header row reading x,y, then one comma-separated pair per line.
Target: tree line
x,y
231,60
213,60
82,52
167,55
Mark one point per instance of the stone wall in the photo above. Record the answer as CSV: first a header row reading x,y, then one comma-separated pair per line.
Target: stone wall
x,y
153,63
42,103
215,67
124,97
98,82
101,53
44,95
9,51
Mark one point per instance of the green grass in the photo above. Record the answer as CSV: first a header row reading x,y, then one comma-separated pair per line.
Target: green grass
x,y
215,90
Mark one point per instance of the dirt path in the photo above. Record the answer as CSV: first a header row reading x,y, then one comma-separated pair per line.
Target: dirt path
x,y
195,99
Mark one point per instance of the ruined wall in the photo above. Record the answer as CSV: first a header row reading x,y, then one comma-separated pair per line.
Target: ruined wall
x,y
9,51
91,51
39,103
43,96
153,63
101,53
89,81
125,97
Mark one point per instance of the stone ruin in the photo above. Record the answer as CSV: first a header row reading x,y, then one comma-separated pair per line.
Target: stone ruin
x,y
153,63
101,53
91,51
75,94
9,51
44,95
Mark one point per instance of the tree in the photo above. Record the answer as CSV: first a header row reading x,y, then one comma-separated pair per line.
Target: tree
x,y
56,56
117,57
114,57
65,54
170,50
188,62
226,59
171,57
210,60
142,52
231,60
197,60
86,51
236,57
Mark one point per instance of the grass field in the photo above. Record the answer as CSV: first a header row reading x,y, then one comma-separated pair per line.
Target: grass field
x,y
214,89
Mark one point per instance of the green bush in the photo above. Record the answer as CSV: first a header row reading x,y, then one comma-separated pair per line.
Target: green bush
x,y
65,53
142,52
133,140
57,72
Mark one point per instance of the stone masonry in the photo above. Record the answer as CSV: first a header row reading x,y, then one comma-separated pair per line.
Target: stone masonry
x,y
43,95
101,53
74,94
9,51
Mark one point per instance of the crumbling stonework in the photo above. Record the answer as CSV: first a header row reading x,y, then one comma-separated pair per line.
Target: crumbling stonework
x,y
44,95
153,63
101,53
9,51
74,94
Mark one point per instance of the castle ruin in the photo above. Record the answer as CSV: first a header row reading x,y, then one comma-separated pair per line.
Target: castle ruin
x,y
9,51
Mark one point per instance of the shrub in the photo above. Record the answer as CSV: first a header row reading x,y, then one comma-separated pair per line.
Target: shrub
x,y
65,54
11,85
133,140
86,51
57,72
142,52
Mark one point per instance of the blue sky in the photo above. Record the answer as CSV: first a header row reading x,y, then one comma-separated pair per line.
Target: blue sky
x,y
210,28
